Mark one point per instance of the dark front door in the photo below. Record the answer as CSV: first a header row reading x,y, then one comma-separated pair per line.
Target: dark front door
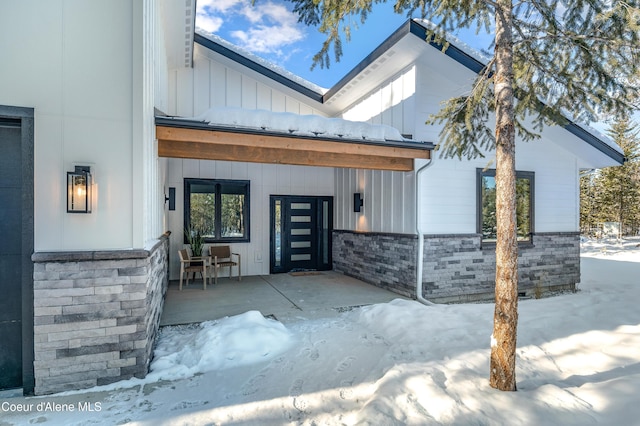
x,y
300,233
10,254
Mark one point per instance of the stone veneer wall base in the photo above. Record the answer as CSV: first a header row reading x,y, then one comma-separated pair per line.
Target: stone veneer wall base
x,y
457,267
96,315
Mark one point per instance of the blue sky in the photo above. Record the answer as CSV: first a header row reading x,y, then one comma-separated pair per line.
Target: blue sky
x,y
270,30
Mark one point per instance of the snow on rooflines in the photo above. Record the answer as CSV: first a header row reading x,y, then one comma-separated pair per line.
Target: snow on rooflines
x,y
261,61
299,125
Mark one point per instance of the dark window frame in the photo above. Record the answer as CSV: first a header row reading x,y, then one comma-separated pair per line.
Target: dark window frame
x,y
218,184
480,174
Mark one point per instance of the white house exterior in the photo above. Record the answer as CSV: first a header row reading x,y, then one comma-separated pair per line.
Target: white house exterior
x,y
85,291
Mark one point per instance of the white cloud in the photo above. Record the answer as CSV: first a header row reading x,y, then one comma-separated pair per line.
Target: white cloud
x,y
207,6
265,27
210,24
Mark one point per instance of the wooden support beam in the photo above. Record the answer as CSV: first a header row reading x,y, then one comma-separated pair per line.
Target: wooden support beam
x,y
258,148
254,154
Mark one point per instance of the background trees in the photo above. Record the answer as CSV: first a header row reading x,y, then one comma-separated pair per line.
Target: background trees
x,y
613,194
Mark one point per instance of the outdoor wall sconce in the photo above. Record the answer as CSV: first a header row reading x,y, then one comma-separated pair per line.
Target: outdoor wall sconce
x,y
171,198
358,202
79,190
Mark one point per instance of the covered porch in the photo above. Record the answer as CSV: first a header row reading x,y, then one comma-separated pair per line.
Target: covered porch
x,y
285,297
290,172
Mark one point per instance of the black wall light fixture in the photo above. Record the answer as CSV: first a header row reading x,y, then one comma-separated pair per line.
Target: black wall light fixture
x,y
79,190
171,198
358,202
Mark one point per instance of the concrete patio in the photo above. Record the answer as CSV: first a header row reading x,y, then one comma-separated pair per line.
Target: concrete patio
x,y
287,297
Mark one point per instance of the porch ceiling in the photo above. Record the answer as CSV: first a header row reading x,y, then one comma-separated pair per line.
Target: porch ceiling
x,y
196,140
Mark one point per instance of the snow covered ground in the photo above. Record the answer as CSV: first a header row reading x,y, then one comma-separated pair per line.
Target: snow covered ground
x,y
399,363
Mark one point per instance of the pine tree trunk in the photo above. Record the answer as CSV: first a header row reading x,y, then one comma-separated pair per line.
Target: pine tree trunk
x,y
505,320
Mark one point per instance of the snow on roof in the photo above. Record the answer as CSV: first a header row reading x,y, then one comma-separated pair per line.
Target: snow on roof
x,y
299,125
270,65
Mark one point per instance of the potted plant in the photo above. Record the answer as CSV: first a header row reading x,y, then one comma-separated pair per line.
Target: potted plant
x,y
196,241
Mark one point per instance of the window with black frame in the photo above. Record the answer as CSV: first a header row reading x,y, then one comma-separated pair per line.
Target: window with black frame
x,y
217,209
486,189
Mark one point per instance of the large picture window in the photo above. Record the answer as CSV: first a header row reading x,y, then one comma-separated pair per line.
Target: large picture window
x,y
218,209
486,188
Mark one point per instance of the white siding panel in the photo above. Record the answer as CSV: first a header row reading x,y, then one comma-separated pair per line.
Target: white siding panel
x,y
397,95
263,97
386,116
201,98
278,102
377,197
249,93
172,90
184,101
218,81
234,89
292,105
387,200
207,169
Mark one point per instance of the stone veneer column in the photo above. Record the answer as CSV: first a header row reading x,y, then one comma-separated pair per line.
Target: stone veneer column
x,y
96,315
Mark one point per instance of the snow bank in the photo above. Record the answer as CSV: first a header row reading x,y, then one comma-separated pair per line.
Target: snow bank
x,y
230,342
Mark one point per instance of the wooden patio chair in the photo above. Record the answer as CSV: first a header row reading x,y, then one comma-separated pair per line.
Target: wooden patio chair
x,y
221,257
191,264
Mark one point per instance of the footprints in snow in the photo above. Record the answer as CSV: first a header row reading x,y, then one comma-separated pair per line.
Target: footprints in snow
x,y
299,403
253,385
345,364
312,352
188,404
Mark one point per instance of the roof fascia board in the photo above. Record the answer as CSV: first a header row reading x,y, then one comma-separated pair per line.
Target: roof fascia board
x,y
595,142
200,125
261,69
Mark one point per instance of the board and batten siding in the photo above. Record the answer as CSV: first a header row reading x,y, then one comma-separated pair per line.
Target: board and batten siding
x,y
389,200
389,197
453,211
392,103
265,180
213,83
89,91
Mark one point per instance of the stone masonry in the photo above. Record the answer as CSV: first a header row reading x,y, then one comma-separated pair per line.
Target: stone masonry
x,y
383,259
457,268
96,315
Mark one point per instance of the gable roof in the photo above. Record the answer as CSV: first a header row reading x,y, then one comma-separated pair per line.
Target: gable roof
x,y
463,55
